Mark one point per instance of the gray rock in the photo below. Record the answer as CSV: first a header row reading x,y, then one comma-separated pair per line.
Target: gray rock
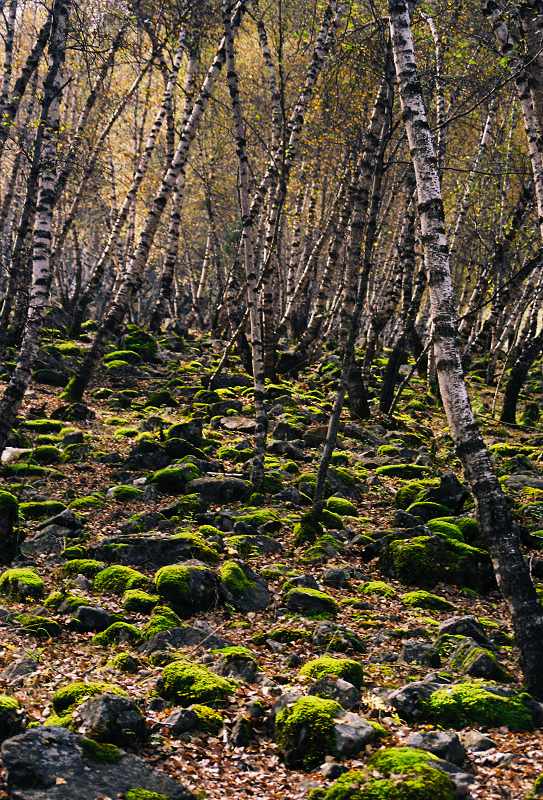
x,y
186,636
50,541
337,578
444,744
15,673
110,718
220,490
254,596
332,770
336,689
337,638
305,581
65,519
477,742
182,721
407,699
416,652
48,763
89,619
465,626
144,549
352,733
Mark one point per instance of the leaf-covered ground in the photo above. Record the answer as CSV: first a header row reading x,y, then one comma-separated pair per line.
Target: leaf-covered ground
x,y
133,406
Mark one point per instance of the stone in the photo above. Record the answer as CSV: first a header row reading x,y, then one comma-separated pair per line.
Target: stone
x,y
337,578
417,652
150,549
243,588
195,635
110,718
93,619
185,720
65,519
352,733
15,673
343,692
465,626
477,742
220,490
49,763
240,423
444,744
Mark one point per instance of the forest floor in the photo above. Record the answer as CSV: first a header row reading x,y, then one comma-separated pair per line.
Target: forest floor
x,y
133,408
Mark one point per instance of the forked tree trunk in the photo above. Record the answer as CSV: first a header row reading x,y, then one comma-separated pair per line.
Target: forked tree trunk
x,y
41,242
511,570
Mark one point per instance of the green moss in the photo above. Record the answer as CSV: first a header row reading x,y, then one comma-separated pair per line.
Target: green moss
x,y
115,633
379,588
209,720
178,584
139,601
21,582
72,695
414,490
9,505
126,493
36,625
423,599
116,579
43,425
427,510
198,547
88,503
281,634
47,454
69,602
330,520
23,470
144,794
310,720
162,619
307,529
101,752
173,480
469,527
83,566
129,356
187,683
469,704
141,342
41,509
345,668
234,578
427,560
234,652
339,505
402,471
325,603
255,517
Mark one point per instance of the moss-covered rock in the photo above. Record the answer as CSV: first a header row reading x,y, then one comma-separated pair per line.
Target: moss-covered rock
x,y
398,773
442,527
307,529
339,505
21,582
41,509
345,668
173,480
124,662
310,602
405,471
304,731
116,579
186,683
46,454
139,601
208,719
12,717
9,514
90,502
83,566
116,633
162,619
414,490
144,794
427,600
37,625
125,493
426,560
427,510
475,703
71,695
379,588
189,588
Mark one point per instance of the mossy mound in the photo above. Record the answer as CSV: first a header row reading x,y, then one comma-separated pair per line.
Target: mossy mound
x,y
116,633
304,731
139,601
345,668
311,602
36,625
427,510
67,697
116,579
341,506
162,619
427,600
144,794
21,582
414,490
396,773
426,560
41,509
89,567
188,588
124,662
128,356
442,527
125,493
404,471
173,480
90,502
186,683
46,454
307,529
470,704
209,720
12,719
43,425
379,588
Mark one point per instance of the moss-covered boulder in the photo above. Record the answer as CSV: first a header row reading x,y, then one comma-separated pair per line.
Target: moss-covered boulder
x,y
426,560
426,600
71,695
117,633
346,668
475,703
46,454
162,618
21,582
173,480
38,625
89,567
139,601
305,731
310,602
41,509
242,587
186,683
404,471
117,578
12,717
427,510
341,506
396,773
378,588
189,588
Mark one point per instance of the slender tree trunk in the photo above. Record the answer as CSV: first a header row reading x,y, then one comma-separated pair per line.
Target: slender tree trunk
x,y
497,525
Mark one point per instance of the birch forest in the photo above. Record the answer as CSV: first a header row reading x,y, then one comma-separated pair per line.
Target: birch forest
x,y
271,382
